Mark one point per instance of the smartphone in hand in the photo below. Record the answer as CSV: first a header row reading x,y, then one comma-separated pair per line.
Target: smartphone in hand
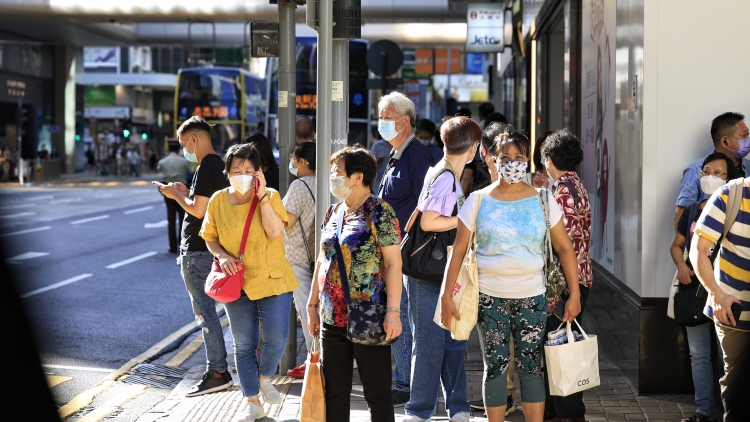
x,y
736,311
159,184
256,184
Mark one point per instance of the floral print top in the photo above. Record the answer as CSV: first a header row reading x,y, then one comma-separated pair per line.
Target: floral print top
x,y
577,220
373,226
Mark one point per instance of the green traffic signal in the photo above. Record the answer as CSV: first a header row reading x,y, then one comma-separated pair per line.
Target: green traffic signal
x,y
125,133
78,138
144,136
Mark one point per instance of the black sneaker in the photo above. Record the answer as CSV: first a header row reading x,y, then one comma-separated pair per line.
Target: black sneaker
x,y
477,404
511,406
400,398
212,381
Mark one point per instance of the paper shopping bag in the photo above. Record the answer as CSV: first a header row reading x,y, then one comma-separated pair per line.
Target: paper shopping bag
x,y
313,388
573,366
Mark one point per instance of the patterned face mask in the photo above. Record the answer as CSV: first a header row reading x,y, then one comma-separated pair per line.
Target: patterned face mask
x,y
512,171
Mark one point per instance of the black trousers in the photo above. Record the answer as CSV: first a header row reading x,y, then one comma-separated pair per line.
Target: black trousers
x,y
736,347
175,215
374,365
571,406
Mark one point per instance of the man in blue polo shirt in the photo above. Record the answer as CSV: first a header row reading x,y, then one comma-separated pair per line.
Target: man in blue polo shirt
x,y
726,131
400,187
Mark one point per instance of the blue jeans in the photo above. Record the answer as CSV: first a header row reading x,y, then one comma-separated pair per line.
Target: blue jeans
x,y
244,315
699,343
195,268
434,348
402,347
301,295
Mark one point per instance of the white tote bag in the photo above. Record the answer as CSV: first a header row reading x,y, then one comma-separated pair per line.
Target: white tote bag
x,y
466,290
572,367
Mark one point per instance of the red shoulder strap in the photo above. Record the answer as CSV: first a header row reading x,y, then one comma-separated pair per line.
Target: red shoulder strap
x,y
247,224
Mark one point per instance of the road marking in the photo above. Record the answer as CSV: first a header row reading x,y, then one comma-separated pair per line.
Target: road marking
x,y
64,201
131,260
38,229
53,380
78,368
86,220
110,406
56,285
139,210
20,214
13,207
87,397
27,255
39,198
162,223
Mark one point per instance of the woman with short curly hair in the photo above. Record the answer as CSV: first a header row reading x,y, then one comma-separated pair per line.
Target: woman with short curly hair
x,y
560,155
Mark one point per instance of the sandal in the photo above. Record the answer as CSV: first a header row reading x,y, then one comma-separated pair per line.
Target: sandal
x,y
699,417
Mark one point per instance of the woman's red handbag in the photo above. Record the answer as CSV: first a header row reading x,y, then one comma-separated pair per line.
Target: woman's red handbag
x,y
221,286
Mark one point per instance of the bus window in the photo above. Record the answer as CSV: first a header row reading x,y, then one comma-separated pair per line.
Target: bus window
x,y
213,94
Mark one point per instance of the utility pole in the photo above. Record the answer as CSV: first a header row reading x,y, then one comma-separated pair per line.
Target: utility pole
x,y
287,132
19,131
324,112
340,100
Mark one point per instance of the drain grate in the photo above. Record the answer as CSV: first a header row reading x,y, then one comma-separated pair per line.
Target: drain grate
x,y
147,374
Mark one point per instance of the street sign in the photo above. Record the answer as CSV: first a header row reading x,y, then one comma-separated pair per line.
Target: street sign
x,y
485,27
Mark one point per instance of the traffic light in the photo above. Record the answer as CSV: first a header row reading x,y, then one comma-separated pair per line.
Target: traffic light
x,y
144,136
126,133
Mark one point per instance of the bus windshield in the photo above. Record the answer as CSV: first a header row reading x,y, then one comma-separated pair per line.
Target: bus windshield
x,y
214,94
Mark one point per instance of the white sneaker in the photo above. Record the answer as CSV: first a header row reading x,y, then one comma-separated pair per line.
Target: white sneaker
x,y
413,418
250,413
269,392
460,417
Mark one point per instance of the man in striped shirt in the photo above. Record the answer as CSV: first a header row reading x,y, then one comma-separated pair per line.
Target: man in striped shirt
x,y
730,285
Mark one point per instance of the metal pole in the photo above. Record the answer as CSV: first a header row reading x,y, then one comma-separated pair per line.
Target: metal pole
x,y
19,127
340,109
448,90
324,112
287,83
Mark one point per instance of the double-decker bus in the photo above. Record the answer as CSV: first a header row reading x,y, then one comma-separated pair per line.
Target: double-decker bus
x,y
230,97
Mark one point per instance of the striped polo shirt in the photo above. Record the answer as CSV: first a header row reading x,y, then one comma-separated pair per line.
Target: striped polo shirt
x,y
733,272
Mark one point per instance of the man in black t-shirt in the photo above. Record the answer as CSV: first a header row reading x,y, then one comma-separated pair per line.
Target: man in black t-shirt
x,y
195,137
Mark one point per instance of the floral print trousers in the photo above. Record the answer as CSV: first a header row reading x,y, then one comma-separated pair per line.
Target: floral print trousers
x,y
524,319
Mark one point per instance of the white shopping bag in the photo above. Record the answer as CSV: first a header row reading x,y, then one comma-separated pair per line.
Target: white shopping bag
x,y
574,366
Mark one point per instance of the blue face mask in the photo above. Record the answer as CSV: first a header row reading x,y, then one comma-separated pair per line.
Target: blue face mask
x,y
387,128
292,169
190,156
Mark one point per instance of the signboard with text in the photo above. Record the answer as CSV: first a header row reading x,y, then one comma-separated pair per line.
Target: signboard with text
x,y
484,25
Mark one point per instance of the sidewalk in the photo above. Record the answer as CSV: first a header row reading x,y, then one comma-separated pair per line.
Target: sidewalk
x,y
88,179
614,321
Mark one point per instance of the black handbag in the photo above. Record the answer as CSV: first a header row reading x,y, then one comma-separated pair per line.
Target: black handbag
x,y
689,302
365,319
424,255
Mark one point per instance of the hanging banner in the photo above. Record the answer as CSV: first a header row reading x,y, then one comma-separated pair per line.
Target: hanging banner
x,y
599,19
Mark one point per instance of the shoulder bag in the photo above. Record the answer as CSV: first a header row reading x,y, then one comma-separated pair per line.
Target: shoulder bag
x,y
465,293
224,287
311,261
424,255
690,300
364,321
554,278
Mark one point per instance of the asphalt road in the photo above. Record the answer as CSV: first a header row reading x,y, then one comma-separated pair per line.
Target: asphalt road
x,y
92,268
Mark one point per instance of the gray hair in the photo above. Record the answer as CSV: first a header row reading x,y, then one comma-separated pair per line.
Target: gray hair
x,y
401,104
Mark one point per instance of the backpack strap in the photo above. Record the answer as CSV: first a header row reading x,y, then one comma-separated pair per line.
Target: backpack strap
x,y
572,189
692,212
734,200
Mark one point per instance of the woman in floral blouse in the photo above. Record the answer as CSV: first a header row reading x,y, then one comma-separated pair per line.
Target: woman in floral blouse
x,y
369,241
561,153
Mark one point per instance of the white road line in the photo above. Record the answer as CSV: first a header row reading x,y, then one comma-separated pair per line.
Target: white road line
x,y
162,223
20,214
27,255
13,207
138,210
38,229
78,368
86,220
63,201
56,285
39,198
131,260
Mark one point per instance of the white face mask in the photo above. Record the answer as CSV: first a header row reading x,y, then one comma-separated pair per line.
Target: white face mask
x,y
387,128
241,183
339,189
710,184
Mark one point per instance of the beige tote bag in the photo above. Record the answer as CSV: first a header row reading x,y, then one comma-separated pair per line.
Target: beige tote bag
x,y
466,291
572,367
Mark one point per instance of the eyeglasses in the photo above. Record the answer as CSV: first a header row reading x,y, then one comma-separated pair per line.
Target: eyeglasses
x,y
718,173
505,158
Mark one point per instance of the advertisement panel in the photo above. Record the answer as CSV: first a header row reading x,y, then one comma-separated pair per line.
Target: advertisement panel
x,y
484,26
101,57
598,122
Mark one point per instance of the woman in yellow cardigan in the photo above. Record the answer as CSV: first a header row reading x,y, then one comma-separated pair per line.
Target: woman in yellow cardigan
x,y
269,280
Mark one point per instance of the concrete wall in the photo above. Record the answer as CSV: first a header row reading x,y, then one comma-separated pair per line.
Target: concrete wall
x,y
695,68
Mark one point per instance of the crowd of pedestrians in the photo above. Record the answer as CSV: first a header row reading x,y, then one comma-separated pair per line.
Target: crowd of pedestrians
x,y
358,271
